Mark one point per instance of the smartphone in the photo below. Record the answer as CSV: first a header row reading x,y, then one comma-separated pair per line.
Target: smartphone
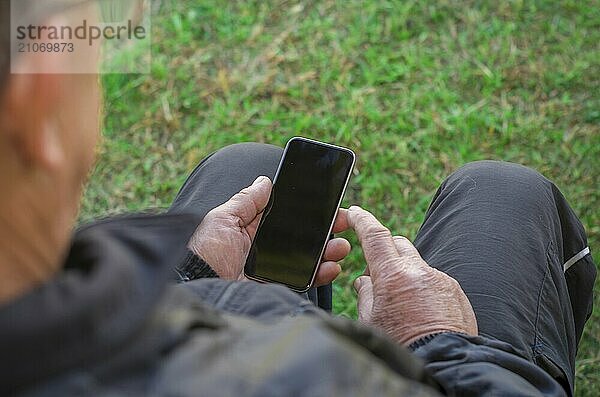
x,y
294,229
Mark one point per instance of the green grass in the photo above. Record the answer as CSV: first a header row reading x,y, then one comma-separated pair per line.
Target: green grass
x,y
416,88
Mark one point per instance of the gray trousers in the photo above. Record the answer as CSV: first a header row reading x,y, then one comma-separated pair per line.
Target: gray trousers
x,y
503,231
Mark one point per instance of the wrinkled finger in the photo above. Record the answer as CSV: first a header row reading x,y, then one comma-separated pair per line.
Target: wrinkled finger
x,y
341,221
375,239
328,271
364,288
336,249
250,201
408,252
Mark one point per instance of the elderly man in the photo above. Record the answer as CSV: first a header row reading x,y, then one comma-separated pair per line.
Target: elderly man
x,y
490,300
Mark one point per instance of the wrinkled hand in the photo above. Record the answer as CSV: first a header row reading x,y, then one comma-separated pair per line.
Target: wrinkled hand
x,y
400,293
224,237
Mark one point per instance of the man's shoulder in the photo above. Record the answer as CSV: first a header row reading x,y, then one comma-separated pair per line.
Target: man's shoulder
x,y
213,337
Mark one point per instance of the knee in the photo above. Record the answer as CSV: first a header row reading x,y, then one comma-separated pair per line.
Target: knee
x,y
249,155
500,181
246,150
249,158
500,173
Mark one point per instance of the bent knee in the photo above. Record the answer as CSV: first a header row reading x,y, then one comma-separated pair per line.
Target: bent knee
x,y
245,149
499,182
260,157
501,172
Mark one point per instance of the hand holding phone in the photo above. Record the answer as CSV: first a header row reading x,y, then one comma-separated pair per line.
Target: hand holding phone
x,y
296,225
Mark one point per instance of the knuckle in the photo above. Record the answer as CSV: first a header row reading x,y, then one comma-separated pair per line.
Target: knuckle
x,y
361,219
377,232
405,247
449,282
242,194
210,216
454,284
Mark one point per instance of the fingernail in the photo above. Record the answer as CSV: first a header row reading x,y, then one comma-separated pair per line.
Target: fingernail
x,y
357,284
260,179
354,208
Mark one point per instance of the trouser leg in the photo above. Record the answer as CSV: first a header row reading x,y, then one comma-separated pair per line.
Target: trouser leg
x,y
226,172
509,237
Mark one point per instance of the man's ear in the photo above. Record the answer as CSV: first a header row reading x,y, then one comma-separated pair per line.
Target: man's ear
x,y
31,102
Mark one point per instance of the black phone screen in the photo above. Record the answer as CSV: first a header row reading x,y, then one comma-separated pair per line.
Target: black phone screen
x,y
296,224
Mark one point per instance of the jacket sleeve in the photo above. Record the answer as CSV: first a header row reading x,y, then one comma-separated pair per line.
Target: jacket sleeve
x,y
477,366
193,267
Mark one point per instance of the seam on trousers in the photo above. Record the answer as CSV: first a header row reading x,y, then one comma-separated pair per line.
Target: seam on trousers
x,y
540,350
536,346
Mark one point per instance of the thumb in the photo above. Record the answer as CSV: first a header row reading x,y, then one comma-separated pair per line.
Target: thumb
x,y
250,201
364,288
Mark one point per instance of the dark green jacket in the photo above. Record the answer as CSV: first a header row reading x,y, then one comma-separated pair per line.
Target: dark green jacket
x,y
112,323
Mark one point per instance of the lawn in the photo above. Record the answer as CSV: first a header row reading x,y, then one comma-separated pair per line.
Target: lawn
x,y
416,88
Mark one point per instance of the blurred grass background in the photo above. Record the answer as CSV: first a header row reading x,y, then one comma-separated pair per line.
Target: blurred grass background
x,y
416,88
